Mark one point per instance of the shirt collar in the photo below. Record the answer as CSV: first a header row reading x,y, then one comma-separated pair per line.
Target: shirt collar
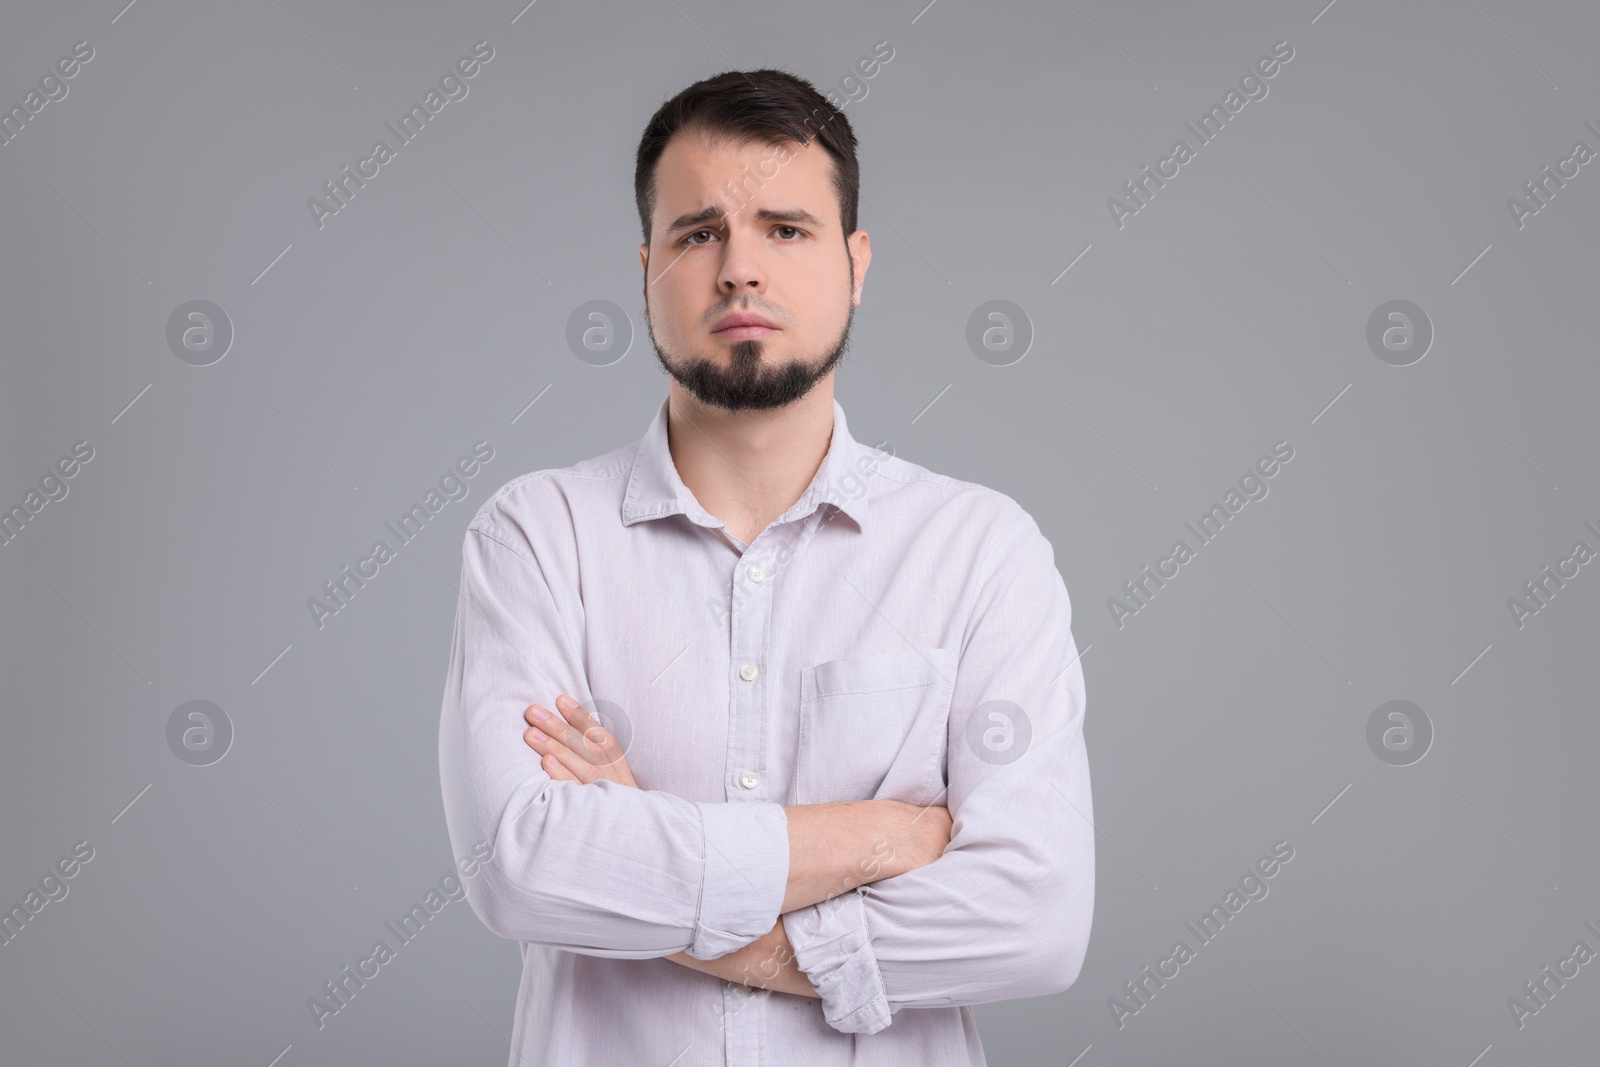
x,y
655,489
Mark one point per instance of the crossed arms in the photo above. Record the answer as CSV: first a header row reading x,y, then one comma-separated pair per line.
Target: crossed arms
x,y
999,910
832,847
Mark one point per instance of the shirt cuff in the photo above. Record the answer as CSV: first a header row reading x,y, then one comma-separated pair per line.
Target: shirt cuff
x,y
831,945
746,875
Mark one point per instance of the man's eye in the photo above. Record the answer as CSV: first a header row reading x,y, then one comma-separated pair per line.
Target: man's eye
x,y
798,233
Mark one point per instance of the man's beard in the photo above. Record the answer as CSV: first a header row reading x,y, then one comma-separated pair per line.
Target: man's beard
x,y
746,385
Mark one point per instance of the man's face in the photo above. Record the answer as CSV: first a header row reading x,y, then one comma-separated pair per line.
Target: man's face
x,y
749,229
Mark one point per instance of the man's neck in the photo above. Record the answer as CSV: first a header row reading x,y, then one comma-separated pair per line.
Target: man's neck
x,y
748,467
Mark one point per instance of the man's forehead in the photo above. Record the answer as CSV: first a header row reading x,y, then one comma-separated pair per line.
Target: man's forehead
x,y
700,173
722,145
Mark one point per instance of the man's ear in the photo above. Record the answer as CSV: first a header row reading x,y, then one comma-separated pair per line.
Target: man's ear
x,y
860,248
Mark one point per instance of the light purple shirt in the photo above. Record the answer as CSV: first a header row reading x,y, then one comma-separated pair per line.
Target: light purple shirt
x,y
895,634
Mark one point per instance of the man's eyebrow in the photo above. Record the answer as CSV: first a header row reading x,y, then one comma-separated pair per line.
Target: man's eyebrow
x,y
766,214
696,218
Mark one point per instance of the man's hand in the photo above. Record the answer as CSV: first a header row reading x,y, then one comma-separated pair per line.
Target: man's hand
x,y
575,747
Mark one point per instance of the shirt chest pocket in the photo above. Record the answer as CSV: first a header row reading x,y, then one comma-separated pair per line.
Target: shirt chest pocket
x,y
874,727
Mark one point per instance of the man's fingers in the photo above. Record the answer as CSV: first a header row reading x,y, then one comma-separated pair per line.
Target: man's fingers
x,y
594,740
555,770
576,767
548,747
576,714
541,743
557,727
576,739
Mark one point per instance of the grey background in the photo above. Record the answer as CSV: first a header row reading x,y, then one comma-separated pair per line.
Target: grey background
x,y
1229,314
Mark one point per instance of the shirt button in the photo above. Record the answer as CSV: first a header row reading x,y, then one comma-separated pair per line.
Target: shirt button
x,y
757,575
748,672
749,779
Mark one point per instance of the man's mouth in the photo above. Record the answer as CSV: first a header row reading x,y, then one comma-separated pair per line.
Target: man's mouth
x,y
741,333
743,326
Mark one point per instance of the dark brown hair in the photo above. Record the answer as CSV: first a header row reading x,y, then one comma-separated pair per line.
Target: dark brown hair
x,y
769,106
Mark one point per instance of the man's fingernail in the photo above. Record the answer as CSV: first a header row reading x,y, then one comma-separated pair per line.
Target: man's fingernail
x,y
565,702
540,713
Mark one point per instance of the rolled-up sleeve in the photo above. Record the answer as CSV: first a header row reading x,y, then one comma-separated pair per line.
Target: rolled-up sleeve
x,y
1005,912
601,869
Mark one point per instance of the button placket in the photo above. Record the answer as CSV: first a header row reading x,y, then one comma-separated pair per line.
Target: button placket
x,y
750,627
747,701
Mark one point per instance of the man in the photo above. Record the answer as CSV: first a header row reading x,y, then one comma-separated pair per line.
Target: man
x,y
823,785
